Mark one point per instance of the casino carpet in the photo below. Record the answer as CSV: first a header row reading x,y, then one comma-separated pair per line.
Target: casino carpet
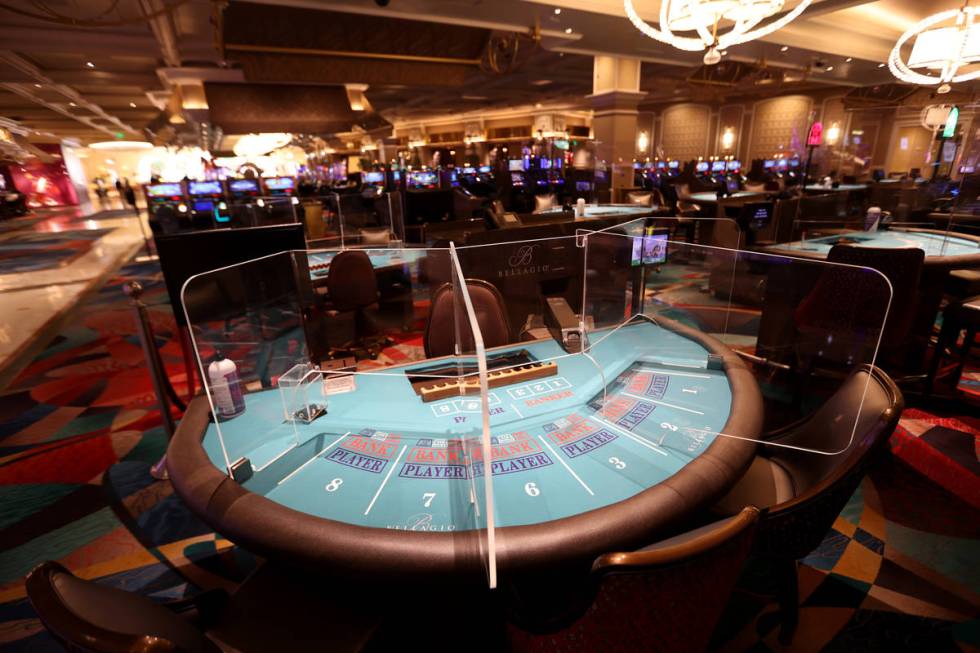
x,y
899,571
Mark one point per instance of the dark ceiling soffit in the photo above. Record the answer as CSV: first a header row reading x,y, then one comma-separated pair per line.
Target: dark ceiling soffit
x,y
302,69
255,25
245,108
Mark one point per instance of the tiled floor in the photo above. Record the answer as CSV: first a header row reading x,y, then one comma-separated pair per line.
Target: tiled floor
x,y
79,430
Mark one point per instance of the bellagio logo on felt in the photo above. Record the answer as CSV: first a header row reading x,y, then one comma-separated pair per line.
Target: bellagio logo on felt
x,y
421,522
520,263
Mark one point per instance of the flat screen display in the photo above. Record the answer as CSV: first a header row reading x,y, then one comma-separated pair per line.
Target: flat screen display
x,y
164,190
243,186
718,166
732,185
768,163
374,177
674,165
734,165
204,188
280,183
203,206
423,178
782,164
650,249
702,166
517,179
515,165
601,176
794,163
484,169
469,171
545,164
583,186
661,165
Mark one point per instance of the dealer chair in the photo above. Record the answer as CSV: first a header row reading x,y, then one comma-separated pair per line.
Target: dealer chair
x,y
353,287
958,316
270,612
544,202
376,236
663,598
804,491
491,316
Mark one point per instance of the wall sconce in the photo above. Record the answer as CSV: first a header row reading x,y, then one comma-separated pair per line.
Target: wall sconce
x,y
728,139
642,142
832,134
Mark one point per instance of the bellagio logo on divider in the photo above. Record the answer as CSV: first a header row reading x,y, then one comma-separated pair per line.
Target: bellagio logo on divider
x,y
521,262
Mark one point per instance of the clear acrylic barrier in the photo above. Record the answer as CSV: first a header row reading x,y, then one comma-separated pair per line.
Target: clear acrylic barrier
x,y
389,442
262,212
364,219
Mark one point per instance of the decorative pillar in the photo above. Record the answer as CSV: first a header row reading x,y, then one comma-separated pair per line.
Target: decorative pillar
x,y
615,97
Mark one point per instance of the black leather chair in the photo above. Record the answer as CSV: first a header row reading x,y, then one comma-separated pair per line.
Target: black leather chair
x,y
804,491
491,316
665,597
271,611
352,287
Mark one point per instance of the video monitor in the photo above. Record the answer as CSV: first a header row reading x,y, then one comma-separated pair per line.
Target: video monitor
x,y
768,163
517,179
423,178
469,171
794,163
545,164
650,249
279,183
782,164
637,165
661,165
718,166
557,164
702,166
203,206
243,186
734,165
204,188
583,186
484,169
601,177
373,177
756,216
515,165
674,165
164,190
732,186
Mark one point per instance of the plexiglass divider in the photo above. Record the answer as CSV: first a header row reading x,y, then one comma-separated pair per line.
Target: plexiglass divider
x,y
366,219
370,428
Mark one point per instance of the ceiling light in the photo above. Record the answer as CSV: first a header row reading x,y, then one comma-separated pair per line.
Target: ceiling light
x,y
557,10
829,68
849,60
784,48
37,86
541,82
132,104
881,65
72,104
944,50
703,17
121,145
568,30
90,64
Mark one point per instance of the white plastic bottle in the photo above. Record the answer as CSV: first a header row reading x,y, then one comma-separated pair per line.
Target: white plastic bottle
x,y
226,389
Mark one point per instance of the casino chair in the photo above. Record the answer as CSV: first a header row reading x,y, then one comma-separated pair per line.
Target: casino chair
x,y
847,300
270,612
352,287
544,202
491,316
804,491
665,597
376,237
651,198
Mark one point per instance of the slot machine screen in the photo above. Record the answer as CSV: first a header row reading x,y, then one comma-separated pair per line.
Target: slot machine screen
x,y
204,188
601,177
768,163
782,164
243,186
718,166
583,186
374,177
279,183
453,178
756,216
650,249
484,170
423,179
702,166
674,165
732,186
794,163
545,164
469,171
661,165
203,206
164,190
515,165
637,165
396,176
734,165
517,179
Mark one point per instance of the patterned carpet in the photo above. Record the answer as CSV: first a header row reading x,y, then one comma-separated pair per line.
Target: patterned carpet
x,y
900,571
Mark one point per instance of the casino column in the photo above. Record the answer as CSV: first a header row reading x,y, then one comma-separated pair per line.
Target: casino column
x,y
615,96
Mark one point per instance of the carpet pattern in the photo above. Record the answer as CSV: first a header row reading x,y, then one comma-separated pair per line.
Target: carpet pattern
x,y
900,570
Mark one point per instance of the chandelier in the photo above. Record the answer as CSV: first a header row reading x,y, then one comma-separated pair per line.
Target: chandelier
x,y
940,51
718,24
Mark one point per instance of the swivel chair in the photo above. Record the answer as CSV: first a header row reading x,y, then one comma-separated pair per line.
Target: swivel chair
x,y
491,316
353,287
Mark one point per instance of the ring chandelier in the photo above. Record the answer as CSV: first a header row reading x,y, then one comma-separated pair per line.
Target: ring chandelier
x,y
944,49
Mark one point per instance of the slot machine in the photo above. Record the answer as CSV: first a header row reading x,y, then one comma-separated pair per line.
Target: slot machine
x,y
166,205
208,204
